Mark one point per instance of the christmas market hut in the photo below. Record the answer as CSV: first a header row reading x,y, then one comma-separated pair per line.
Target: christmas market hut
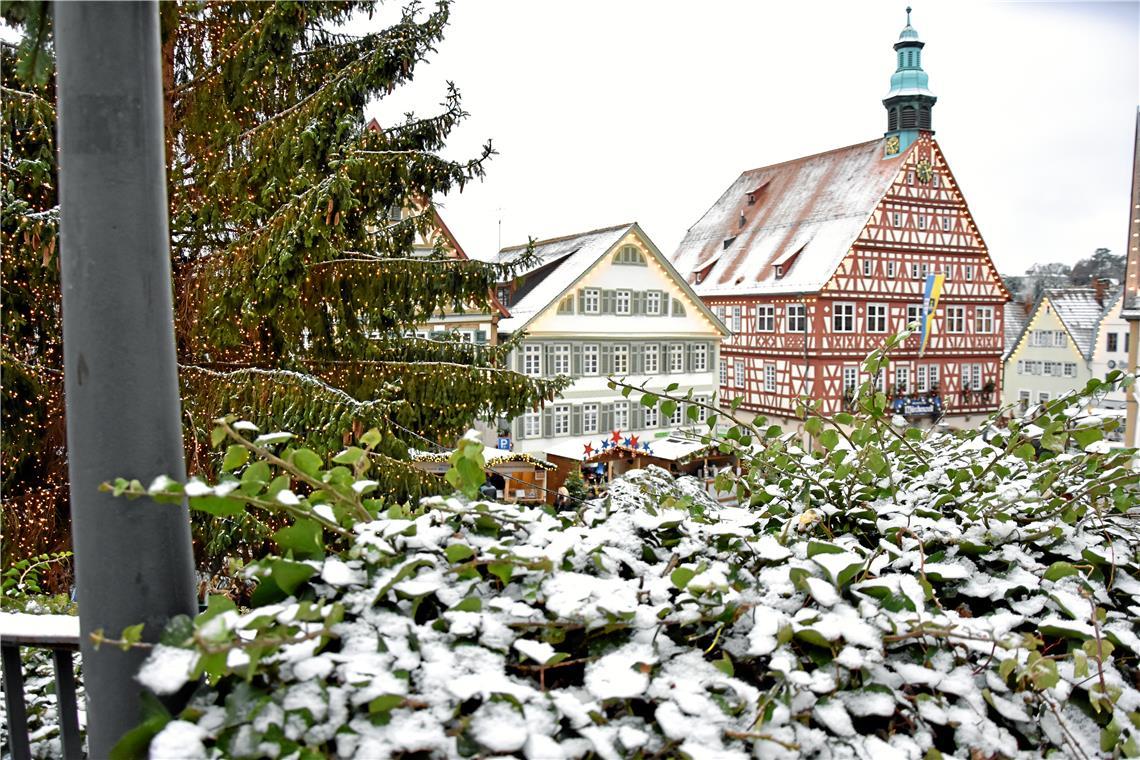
x,y
517,477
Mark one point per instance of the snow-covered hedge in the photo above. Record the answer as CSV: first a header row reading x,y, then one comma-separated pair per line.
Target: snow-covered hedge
x,y
889,595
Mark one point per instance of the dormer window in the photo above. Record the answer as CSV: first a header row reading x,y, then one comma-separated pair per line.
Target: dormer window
x,y
752,199
779,271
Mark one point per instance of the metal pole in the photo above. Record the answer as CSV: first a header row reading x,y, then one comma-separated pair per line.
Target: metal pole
x,y
133,559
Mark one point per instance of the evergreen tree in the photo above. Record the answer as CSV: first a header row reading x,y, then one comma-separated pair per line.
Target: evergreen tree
x,y
295,286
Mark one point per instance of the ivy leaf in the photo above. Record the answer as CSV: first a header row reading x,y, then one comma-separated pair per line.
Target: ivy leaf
x,y
235,457
502,571
829,439
306,461
303,538
288,575
1059,570
681,576
458,553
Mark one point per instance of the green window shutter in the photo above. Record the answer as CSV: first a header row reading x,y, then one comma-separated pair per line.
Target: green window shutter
x,y
689,359
607,360
548,360
637,416
607,302
605,419
518,352
581,301
576,419
663,362
636,358
516,428
638,302
576,365
547,423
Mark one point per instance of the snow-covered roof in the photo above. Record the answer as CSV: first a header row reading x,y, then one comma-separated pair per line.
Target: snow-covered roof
x,y
1014,320
812,208
1081,312
565,259
560,262
676,447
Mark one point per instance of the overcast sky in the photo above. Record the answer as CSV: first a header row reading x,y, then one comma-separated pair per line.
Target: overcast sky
x,y
613,111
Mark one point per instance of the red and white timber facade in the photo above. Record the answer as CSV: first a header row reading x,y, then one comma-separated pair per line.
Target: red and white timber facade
x,y
813,263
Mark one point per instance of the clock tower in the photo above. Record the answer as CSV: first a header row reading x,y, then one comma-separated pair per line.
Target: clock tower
x,y
910,100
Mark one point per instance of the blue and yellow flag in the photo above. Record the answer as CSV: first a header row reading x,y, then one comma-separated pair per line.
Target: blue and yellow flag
x,y
929,306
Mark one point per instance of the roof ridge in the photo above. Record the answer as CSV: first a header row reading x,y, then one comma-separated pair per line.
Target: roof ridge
x,y
815,155
563,238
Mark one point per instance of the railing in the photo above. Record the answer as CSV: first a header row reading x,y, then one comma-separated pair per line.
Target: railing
x,y
60,634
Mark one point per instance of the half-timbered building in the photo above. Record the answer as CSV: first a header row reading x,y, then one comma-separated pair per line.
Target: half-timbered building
x,y
813,262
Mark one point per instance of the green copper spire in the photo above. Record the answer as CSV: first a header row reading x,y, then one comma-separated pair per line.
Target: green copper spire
x,y
910,100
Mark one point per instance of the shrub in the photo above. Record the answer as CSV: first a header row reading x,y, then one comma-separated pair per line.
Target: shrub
x,y
886,593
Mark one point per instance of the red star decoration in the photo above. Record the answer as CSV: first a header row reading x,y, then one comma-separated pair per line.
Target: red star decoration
x,y
589,447
616,436
633,441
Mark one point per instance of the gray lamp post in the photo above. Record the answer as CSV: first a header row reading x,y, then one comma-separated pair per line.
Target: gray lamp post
x,y
133,559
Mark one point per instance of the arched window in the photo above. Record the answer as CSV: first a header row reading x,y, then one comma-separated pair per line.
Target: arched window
x,y
629,254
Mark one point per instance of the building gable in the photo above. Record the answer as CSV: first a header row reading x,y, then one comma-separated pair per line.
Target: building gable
x,y
920,225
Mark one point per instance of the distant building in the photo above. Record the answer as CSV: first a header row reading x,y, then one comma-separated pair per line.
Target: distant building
x,y
1052,355
814,262
601,303
1111,345
1131,307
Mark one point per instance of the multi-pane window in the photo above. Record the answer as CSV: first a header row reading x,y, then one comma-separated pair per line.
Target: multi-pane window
x,y
936,180
590,359
738,373
956,319
652,417
1060,340
902,378
945,224
621,415
736,319
591,301
984,319
702,412
562,359
676,357
700,358
770,377
890,269
909,174
532,426
867,266
1023,398
969,272
920,379
976,377
678,417
622,300
896,219
723,373
652,356
621,360
914,271
797,321
562,419
877,317
566,305
765,318
922,221
850,378
1112,342
653,302
933,376
532,361
589,418
843,317
914,313
1070,369
1042,397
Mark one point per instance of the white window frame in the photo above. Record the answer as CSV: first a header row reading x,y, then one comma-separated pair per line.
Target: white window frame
x,y
1070,369
702,412
700,357
621,359
591,354
1060,339
969,274
736,314
896,219
532,360
589,418
562,358
591,301
945,224
562,419
956,319
652,417
652,359
916,310
848,307
676,357
738,373
623,302
1042,397
850,377
769,377
933,372
723,373
678,417
890,269
532,425
976,377
922,221
902,378
796,318
867,267
765,318
920,380
984,320
621,415
653,303
877,317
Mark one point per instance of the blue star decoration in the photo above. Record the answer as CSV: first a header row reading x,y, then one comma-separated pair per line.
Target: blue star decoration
x,y
645,446
606,445
627,443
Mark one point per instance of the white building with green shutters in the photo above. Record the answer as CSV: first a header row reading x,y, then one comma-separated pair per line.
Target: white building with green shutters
x,y
599,304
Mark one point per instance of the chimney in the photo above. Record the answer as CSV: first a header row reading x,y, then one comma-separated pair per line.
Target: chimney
x,y
1100,287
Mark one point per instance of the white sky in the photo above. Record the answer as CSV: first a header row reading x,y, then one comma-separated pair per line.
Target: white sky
x,y
608,111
